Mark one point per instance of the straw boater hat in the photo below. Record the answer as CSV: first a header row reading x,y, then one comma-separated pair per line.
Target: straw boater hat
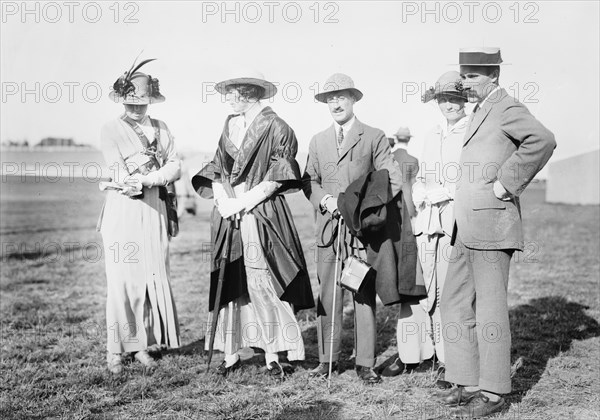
x,y
449,83
335,83
403,135
480,56
136,88
248,77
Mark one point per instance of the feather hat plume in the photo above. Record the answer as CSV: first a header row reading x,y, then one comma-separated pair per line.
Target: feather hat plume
x,y
136,88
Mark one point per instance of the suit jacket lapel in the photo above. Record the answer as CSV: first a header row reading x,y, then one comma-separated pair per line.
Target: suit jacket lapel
x,y
351,138
478,118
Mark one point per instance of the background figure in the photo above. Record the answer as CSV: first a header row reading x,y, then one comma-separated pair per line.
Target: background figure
x,y
503,149
140,310
407,334
339,155
254,165
409,166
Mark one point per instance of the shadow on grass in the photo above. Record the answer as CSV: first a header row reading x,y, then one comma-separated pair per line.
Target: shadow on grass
x,y
195,347
325,410
386,336
541,330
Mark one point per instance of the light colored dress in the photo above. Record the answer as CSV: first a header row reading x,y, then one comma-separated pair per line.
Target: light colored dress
x,y
420,332
259,319
140,310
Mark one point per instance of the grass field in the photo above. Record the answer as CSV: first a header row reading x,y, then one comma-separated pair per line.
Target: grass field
x,y
53,330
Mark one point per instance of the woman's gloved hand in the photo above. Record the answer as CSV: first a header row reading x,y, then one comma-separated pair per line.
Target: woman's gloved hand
x,y
228,207
438,195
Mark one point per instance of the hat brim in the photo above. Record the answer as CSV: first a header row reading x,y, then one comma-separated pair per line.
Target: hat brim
x,y
447,93
133,100
480,65
322,96
270,89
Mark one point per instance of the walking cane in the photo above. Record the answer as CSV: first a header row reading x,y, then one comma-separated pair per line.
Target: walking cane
x,y
222,264
335,280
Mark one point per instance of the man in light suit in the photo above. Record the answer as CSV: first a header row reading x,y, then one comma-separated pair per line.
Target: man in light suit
x,y
504,148
338,156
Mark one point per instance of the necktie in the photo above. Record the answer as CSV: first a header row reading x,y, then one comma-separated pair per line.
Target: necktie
x,y
340,137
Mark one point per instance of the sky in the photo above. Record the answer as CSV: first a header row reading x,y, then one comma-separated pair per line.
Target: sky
x,y
59,60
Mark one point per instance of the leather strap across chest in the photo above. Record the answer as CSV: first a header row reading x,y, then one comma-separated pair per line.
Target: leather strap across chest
x,y
150,149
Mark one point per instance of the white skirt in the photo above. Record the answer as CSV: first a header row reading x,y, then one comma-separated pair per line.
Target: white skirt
x,y
140,309
260,319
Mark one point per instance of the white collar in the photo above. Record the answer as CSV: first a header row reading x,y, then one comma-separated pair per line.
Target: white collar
x,y
480,105
346,127
251,113
459,124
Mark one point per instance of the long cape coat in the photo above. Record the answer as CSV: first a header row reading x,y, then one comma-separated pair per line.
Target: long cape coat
x,y
267,153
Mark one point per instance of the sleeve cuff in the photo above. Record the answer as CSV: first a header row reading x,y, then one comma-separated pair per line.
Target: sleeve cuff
x,y
157,178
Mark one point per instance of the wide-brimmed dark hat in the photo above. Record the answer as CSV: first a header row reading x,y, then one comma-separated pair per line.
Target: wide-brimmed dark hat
x,y
248,77
144,90
480,56
136,88
449,83
335,83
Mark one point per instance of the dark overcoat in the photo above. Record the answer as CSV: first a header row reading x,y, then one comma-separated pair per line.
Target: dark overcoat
x,y
372,213
267,153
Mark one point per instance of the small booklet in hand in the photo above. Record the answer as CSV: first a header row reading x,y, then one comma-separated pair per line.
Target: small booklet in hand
x,y
116,186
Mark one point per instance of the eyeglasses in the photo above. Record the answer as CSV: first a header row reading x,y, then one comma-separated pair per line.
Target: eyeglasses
x,y
336,98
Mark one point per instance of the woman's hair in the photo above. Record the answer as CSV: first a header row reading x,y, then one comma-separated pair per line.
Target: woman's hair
x,y
248,92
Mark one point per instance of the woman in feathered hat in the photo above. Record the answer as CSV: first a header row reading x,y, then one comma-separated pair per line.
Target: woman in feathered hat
x,y
140,154
266,278
433,196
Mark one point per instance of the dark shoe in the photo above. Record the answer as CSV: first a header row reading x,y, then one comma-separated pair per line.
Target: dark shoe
x,y
287,367
322,370
441,381
367,375
226,370
394,369
411,367
456,396
479,406
276,371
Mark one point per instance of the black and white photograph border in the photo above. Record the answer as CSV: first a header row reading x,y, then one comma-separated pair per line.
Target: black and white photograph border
x,y
122,173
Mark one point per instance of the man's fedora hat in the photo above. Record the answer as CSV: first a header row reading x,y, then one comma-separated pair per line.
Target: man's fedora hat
x,y
248,77
449,83
403,134
136,88
335,83
480,56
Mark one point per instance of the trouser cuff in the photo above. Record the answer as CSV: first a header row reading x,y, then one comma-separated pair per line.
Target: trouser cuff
x,y
461,379
365,361
324,358
495,387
